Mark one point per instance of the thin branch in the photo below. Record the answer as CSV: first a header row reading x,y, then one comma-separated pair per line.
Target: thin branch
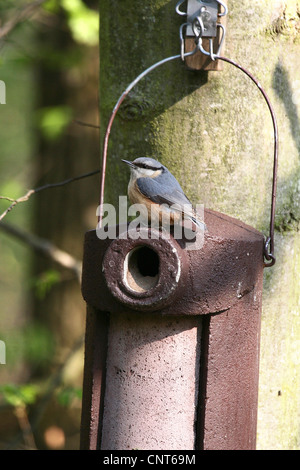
x,y
10,199
85,124
25,426
69,180
21,15
15,202
42,188
46,248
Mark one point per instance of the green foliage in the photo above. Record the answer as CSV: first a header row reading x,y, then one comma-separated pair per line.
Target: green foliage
x,y
19,395
68,394
33,344
52,6
82,21
54,120
44,282
38,344
30,346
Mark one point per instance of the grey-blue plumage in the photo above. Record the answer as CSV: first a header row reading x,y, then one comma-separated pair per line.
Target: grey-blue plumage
x,y
163,189
155,183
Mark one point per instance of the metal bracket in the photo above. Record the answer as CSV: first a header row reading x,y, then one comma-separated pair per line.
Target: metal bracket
x,y
207,10
205,27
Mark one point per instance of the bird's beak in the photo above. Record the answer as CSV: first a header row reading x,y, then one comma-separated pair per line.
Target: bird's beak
x,y
128,163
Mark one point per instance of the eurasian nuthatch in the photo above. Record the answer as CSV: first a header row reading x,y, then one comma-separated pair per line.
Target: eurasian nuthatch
x,y
153,185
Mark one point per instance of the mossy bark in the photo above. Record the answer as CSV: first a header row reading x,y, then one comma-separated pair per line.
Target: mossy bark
x,y
214,132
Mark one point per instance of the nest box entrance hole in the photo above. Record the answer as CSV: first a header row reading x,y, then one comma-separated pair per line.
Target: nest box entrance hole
x,y
141,270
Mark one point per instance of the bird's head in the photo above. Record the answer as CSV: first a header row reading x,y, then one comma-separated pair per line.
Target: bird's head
x,y
144,167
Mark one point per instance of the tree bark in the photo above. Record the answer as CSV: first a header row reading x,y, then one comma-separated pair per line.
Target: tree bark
x,y
214,132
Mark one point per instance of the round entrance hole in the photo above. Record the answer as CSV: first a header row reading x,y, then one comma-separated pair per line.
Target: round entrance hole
x,y
141,269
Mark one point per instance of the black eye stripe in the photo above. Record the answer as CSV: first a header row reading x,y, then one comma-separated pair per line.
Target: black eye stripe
x,y
148,167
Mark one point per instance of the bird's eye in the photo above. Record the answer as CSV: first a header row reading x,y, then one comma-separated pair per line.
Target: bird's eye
x,y
148,167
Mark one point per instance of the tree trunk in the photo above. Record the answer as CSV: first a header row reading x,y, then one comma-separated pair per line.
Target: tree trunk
x,y
64,214
214,132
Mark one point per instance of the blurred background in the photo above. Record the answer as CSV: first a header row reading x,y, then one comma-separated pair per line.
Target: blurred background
x,y
49,64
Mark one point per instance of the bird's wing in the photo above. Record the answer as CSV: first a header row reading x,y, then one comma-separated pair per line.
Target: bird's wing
x,y
170,194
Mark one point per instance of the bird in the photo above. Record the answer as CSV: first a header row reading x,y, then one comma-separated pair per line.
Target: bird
x,y
153,185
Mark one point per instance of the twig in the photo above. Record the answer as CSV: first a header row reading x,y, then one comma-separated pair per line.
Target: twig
x,y
15,202
85,124
69,180
42,188
11,199
46,248
25,426
20,16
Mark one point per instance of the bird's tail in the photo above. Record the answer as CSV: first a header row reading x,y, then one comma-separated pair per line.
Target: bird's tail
x,y
199,223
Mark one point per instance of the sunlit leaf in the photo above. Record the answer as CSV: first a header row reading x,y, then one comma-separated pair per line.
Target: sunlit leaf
x,y
19,395
54,120
83,22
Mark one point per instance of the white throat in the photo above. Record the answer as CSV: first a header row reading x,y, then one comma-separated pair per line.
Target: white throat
x,y
144,173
